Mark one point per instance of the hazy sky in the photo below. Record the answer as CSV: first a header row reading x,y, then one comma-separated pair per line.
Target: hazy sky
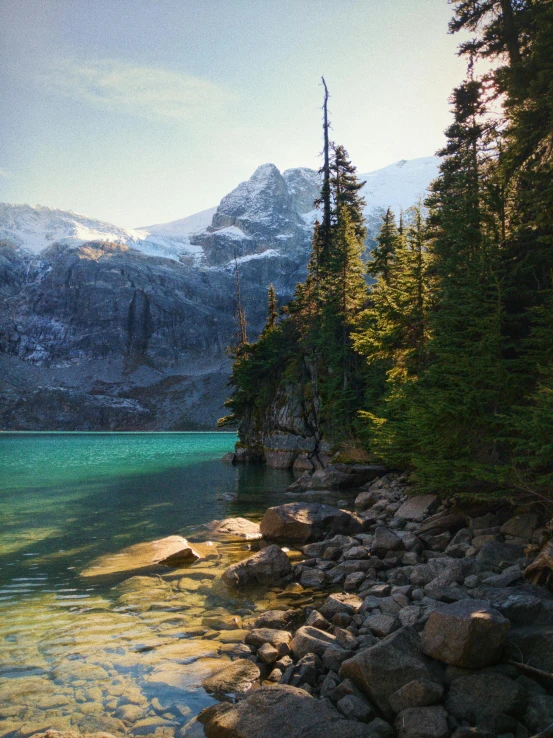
x,y
144,111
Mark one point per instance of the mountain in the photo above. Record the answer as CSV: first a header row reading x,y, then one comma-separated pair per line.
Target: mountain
x,y
103,327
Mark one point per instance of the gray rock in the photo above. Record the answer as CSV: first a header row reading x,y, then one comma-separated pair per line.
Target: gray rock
x,y
379,728
486,695
355,708
276,619
335,603
417,693
416,508
385,540
422,722
469,634
301,522
313,578
412,615
539,714
334,657
311,640
345,639
268,653
381,624
353,581
279,711
317,620
520,526
493,554
268,565
280,639
365,500
392,663
533,645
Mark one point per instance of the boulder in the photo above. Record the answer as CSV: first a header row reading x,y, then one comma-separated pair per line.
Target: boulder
x,y
172,551
355,708
493,553
234,678
382,669
234,529
417,693
382,624
280,639
422,722
365,500
335,603
331,479
311,640
277,619
478,697
468,633
444,521
416,508
280,711
520,526
539,714
267,653
385,540
313,578
269,565
533,645
302,522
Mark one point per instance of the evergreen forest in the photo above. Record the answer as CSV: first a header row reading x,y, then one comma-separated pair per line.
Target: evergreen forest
x,y
435,353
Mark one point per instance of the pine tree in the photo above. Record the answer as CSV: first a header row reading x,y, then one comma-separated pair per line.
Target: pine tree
x,y
393,333
457,412
387,242
272,308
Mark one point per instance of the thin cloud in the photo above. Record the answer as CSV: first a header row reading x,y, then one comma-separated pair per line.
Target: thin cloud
x,y
148,92
4,174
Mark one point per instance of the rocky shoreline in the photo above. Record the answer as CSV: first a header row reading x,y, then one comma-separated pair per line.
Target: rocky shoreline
x,y
433,620
430,628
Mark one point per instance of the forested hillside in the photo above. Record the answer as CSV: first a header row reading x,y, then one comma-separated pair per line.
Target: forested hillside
x,y
439,361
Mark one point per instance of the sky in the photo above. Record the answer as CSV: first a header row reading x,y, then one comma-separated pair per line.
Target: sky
x,y
145,111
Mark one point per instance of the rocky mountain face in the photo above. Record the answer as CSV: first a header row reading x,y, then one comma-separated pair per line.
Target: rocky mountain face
x,y
108,328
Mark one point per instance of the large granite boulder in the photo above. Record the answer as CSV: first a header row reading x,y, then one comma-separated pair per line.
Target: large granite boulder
x,y
468,633
381,670
302,522
281,711
268,566
172,551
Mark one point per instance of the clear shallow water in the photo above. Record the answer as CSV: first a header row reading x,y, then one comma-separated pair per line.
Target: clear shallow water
x,y
118,655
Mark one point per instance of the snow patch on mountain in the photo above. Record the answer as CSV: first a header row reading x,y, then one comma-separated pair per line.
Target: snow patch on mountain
x,y
267,210
398,185
182,227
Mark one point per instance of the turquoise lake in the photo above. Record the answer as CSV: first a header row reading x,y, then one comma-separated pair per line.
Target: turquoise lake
x,y
117,655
